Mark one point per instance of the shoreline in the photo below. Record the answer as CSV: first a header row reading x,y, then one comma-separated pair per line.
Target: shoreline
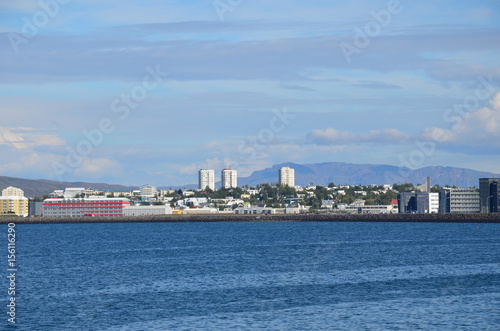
x,y
411,218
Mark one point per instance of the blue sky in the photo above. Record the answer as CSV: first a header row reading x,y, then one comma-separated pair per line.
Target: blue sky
x,y
150,92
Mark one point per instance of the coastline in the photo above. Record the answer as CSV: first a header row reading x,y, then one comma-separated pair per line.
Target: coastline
x,y
422,218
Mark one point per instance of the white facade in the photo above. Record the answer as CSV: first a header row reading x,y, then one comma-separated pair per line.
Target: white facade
x,y
205,210
188,202
206,178
148,191
433,202
255,210
287,176
371,209
71,192
92,206
13,192
229,178
459,200
146,210
14,204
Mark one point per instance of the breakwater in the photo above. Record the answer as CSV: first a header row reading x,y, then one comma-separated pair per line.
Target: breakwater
x,y
439,218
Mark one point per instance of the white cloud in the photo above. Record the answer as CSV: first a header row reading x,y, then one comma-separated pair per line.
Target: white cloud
x,y
25,138
439,135
7,137
28,164
99,168
480,127
332,136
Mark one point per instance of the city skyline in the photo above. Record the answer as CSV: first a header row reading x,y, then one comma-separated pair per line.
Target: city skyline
x,y
156,91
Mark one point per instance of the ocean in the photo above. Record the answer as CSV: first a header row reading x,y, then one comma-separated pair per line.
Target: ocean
x,y
254,276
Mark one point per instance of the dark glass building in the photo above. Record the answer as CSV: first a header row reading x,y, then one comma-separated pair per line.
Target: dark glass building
x,y
418,202
489,195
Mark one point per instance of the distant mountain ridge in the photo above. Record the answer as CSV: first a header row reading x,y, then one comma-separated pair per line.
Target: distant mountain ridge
x,y
317,173
40,187
366,174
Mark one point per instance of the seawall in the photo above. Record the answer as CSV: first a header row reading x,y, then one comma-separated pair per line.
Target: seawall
x,y
438,218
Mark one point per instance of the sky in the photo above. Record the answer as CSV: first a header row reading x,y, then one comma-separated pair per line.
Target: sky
x,y
149,92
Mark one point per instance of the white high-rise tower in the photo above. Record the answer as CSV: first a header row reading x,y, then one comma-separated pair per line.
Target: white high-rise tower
x,y
287,176
206,178
229,178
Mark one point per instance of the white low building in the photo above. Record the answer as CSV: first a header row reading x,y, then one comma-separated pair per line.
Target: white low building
x,y
147,210
257,210
297,210
197,211
191,202
372,209
72,192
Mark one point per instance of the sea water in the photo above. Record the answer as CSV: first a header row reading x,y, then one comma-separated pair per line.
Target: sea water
x,y
255,276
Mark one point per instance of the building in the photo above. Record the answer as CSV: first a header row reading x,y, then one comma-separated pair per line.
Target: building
x,y
433,202
372,209
459,200
425,187
197,211
229,178
206,178
92,206
57,194
147,210
256,210
72,192
14,202
148,191
286,176
35,208
90,191
14,205
13,192
418,202
489,194
192,202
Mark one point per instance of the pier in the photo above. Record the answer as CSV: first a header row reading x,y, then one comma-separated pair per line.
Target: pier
x,y
432,218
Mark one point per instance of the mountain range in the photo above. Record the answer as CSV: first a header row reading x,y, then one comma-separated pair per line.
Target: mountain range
x,y
367,174
305,174
40,187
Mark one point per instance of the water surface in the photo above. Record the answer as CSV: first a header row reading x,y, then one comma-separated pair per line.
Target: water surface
x,y
250,276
